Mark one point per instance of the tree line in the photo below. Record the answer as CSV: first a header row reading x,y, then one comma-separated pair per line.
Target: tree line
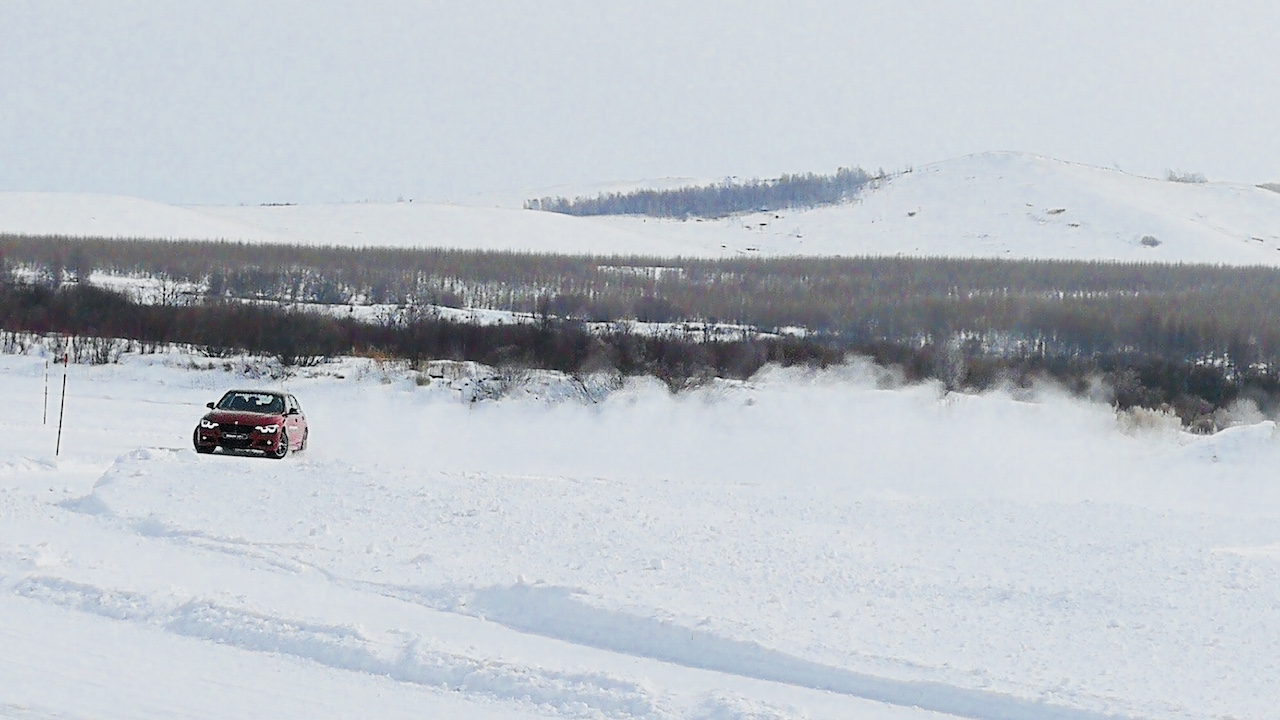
x,y
717,200
301,338
1190,337
1051,307
112,323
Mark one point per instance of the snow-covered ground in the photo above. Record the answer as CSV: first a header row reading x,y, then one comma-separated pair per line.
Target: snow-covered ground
x,y
1000,205
805,545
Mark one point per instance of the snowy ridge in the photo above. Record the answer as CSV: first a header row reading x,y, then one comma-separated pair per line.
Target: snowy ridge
x,y
114,216
994,205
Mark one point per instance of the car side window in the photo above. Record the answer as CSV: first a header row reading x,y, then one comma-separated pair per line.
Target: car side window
x,y
293,404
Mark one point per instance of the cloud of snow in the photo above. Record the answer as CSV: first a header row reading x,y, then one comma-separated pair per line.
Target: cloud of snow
x,y
853,427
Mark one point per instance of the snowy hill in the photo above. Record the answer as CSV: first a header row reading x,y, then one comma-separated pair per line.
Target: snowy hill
x,y
999,205
1009,205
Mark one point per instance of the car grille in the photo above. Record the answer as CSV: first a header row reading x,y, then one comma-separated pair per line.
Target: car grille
x,y
241,439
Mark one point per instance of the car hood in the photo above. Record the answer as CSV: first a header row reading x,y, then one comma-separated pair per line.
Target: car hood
x,y
240,417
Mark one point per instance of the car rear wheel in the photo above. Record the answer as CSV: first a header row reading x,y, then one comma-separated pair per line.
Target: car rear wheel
x,y
303,445
282,448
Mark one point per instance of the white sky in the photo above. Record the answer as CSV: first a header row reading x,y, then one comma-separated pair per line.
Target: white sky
x,y
310,100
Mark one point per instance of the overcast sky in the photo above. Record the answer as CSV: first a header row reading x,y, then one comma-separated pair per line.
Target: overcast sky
x,y
260,101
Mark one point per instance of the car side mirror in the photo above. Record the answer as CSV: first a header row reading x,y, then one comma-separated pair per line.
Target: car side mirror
x,y
209,405
292,411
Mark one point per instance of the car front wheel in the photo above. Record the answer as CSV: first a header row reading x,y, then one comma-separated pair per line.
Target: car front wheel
x,y
195,440
282,448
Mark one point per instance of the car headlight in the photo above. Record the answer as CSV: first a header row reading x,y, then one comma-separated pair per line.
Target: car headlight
x,y
208,424
267,429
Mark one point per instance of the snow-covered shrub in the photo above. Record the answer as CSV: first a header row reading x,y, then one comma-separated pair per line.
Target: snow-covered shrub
x,y
1136,420
1186,177
1241,411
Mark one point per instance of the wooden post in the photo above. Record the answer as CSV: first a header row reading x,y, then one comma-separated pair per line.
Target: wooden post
x,y
62,408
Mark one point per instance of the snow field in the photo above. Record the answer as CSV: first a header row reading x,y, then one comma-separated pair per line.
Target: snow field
x,y
804,545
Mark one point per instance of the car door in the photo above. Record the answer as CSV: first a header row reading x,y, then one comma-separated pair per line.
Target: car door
x,y
294,421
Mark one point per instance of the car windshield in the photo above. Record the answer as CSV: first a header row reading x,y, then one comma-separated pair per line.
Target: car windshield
x,y
252,402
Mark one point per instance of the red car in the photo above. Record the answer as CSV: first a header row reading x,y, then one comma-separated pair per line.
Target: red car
x,y
256,421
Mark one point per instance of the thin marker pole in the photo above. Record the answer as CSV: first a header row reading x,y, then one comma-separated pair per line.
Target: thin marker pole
x,y
62,408
44,419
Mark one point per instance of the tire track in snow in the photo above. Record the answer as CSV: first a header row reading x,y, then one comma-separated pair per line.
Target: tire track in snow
x,y
10,711
567,694
554,612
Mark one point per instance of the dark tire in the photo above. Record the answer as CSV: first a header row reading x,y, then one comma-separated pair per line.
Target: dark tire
x,y
283,448
195,440
303,445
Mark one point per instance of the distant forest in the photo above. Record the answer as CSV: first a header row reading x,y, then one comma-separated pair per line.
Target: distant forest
x,y
1192,338
719,200
111,324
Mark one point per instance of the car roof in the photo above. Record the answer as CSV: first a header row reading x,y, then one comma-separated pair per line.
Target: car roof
x,y
250,391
